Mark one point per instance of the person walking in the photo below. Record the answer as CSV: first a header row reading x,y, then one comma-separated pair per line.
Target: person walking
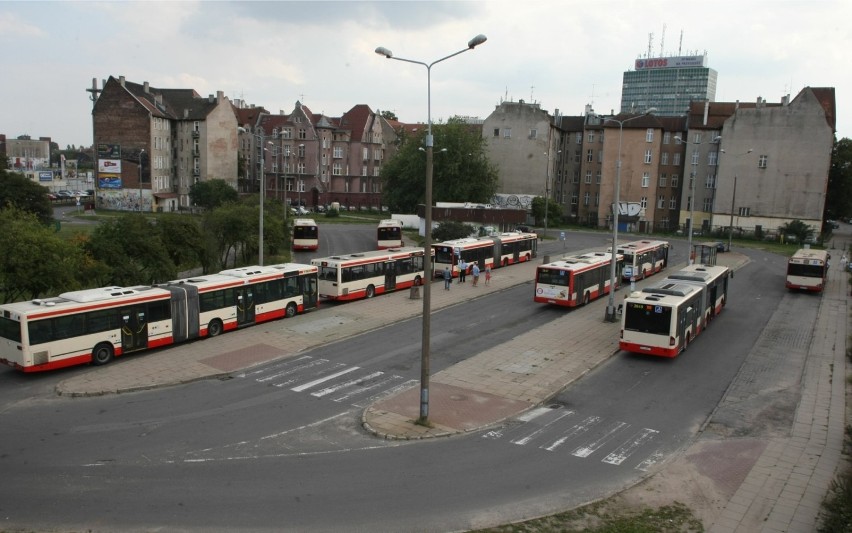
x,y
488,274
448,278
475,272
462,270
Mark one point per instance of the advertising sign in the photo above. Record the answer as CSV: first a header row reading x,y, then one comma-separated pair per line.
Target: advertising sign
x,y
670,62
45,176
109,181
109,151
109,166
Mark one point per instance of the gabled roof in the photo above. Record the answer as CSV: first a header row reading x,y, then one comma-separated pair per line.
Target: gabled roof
x,y
357,120
248,116
174,104
825,96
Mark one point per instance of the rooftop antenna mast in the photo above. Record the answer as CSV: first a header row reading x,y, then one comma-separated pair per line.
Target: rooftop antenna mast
x,y
663,41
650,44
680,43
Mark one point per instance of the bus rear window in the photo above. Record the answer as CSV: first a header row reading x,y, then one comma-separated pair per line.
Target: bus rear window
x,y
10,329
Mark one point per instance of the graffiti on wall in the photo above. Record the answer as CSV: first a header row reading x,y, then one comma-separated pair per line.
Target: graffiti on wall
x,y
124,200
512,201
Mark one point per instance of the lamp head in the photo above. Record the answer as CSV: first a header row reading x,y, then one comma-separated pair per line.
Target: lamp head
x,y
651,110
476,41
382,51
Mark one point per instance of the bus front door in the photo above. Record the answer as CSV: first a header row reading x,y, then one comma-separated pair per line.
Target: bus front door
x,y
134,328
309,292
390,276
245,306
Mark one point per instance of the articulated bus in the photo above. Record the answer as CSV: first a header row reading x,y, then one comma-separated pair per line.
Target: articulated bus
x,y
366,274
389,234
95,325
664,318
494,251
643,258
576,280
807,270
305,234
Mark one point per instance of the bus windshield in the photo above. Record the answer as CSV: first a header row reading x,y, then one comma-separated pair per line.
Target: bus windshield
x,y
553,276
648,318
328,273
808,271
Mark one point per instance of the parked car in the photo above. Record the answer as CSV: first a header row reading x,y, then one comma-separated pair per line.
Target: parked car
x,y
720,247
64,194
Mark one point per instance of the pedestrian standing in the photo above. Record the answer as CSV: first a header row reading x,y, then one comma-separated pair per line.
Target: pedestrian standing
x,y
475,274
462,270
488,274
448,278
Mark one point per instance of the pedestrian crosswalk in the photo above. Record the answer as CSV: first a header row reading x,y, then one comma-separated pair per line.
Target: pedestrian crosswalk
x,y
322,378
553,428
558,429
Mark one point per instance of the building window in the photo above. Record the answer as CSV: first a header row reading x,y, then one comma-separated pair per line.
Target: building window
x,y
574,198
674,181
303,133
576,156
590,155
300,168
496,132
662,180
364,170
761,161
507,133
377,171
337,169
365,153
696,138
673,203
579,137
676,159
712,157
649,135
576,178
664,158
710,181
591,137
588,176
644,202
678,139
646,180
745,211
661,202
598,177
695,156
707,205
586,198
337,153
600,156
647,157
597,199
533,133
667,137
288,133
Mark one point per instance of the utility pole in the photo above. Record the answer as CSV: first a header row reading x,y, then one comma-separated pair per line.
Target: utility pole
x,y
93,96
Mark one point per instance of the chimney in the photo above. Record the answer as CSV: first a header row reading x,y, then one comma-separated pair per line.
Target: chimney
x,y
186,113
210,98
220,96
145,87
785,100
121,80
706,110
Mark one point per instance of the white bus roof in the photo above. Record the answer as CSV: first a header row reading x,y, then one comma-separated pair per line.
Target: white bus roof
x,y
304,222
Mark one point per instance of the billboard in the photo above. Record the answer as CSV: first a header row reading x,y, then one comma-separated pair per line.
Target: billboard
x,y
109,166
109,151
45,175
670,62
109,181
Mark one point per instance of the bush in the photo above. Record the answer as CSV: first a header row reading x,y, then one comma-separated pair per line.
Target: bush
x,y
332,213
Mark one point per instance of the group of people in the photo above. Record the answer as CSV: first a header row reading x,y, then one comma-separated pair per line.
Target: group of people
x,y
463,267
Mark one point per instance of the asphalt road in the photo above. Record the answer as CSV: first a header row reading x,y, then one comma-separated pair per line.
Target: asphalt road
x,y
263,451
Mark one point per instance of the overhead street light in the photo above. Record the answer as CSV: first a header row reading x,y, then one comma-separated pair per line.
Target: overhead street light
x,y
427,241
610,315
690,255
733,198
547,188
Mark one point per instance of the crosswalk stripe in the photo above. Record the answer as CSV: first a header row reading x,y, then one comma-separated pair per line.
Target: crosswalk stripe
x,y
625,450
323,379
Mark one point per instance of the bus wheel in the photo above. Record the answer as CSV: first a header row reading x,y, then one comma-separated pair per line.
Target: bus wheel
x,y
505,262
291,310
418,281
586,299
214,328
102,354
371,291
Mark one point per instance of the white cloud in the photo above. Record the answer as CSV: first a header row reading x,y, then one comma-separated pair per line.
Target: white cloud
x,y
562,54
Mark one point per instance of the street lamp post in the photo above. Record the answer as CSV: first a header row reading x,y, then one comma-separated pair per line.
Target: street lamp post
x,y
547,189
610,315
142,151
691,230
733,200
427,241
262,192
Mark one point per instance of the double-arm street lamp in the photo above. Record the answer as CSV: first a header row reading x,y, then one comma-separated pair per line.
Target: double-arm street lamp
x,y
427,241
262,182
733,199
690,256
610,315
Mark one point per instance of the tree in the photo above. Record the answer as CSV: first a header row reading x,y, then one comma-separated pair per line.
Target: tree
x,y
131,251
554,211
390,115
183,240
461,171
798,229
838,202
16,190
36,262
213,193
450,229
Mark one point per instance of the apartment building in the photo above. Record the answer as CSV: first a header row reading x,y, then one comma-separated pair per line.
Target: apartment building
x,y
153,144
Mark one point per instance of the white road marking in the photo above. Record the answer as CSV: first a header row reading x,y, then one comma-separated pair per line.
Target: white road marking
x,y
577,429
330,390
653,459
323,379
625,450
585,451
524,440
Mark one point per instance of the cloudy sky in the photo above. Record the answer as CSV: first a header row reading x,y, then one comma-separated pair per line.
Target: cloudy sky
x,y
563,54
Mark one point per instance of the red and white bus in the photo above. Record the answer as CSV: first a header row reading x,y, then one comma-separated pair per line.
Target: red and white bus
x,y
643,258
366,274
576,280
664,318
305,234
95,325
389,234
494,251
807,270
